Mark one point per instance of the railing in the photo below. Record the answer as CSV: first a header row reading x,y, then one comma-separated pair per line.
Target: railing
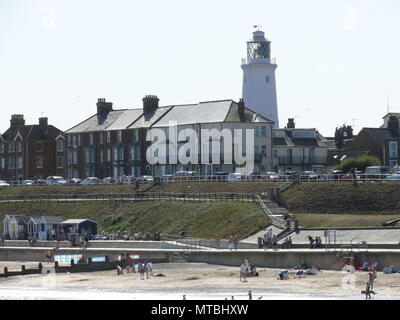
x,y
258,61
138,196
277,222
244,178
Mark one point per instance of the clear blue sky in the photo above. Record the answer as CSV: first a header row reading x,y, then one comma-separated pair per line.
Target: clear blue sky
x,y
337,60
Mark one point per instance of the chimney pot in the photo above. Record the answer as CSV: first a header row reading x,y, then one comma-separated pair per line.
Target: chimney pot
x,y
17,120
103,106
150,103
291,124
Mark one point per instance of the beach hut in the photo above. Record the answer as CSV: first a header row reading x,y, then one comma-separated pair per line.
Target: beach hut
x,y
18,227
6,226
33,226
49,227
82,226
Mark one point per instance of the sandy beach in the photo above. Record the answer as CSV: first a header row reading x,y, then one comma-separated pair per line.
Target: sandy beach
x,y
196,281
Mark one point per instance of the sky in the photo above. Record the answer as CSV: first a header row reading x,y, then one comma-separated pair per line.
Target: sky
x,y
338,61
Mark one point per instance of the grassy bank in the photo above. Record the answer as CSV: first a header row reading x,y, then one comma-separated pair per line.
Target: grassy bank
x,y
344,198
204,187
308,220
43,190
202,220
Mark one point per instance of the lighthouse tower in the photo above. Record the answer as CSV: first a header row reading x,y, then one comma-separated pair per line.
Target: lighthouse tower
x,y
259,87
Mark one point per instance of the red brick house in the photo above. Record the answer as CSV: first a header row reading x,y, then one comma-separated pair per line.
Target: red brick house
x,y
31,151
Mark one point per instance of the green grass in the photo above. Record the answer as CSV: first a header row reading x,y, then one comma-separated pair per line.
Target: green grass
x,y
344,198
43,190
205,187
309,220
200,220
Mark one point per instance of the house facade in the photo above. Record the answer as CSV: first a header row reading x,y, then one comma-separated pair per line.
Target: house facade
x,y
31,151
113,143
299,149
383,142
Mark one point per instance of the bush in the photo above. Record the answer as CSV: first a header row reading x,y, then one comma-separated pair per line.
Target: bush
x,y
360,163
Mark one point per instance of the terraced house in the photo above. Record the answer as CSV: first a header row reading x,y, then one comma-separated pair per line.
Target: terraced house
x,y
113,142
33,151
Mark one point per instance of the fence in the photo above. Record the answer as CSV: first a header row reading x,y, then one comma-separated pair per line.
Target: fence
x,y
229,178
138,196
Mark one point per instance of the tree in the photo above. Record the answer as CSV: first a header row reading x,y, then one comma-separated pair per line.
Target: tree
x,y
360,163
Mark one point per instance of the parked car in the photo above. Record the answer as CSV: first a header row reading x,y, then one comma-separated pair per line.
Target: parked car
x,y
376,172
167,178
28,183
271,176
146,179
55,181
4,184
349,176
109,180
308,176
220,176
335,175
236,176
75,181
40,182
91,180
394,177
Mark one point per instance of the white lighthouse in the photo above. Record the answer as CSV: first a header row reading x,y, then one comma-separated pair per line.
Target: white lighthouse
x,y
259,87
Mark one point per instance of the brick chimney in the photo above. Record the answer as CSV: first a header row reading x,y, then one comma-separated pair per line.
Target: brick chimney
x,y
290,124
43,122
103,106
17,120
393,125
241,110
150,103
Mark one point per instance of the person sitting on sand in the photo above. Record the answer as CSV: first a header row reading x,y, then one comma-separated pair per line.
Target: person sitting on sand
x,y
284,275
312,271
365,266
119,270
49,256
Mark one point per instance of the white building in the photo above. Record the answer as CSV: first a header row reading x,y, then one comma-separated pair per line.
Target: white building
x,y
299,149
259,85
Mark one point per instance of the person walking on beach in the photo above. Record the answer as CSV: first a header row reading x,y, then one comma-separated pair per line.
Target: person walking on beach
x,y
243,273
141,270
147,269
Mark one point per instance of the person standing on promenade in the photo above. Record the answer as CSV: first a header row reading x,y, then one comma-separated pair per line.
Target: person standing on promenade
x,y
235,241
275,243
231,243
243,273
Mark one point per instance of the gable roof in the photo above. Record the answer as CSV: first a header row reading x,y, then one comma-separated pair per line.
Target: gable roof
x,y
380,134
31,132
52,219
97,122
77,221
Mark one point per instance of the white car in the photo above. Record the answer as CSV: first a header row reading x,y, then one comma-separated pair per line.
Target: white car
x,y
147,178
4,184
236,176
393,177
55,181
28,183
91,180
